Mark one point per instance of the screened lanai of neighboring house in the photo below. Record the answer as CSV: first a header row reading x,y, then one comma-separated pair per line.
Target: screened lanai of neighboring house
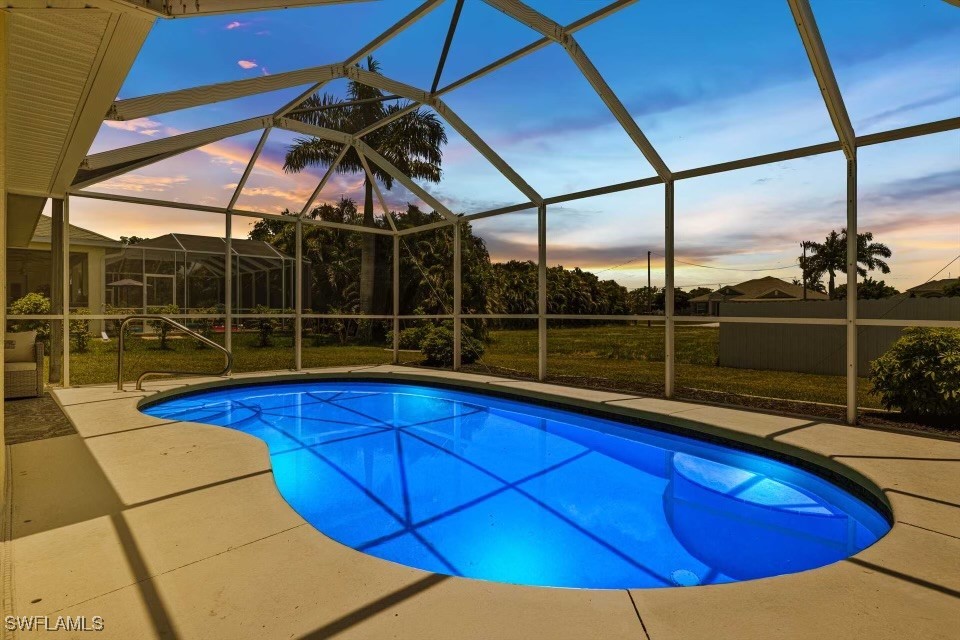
x,y
187,271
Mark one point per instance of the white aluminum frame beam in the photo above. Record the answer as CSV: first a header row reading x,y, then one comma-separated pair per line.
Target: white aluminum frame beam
x,y
823,71
143,106
193,8
174,144
541,292
393,31
249,168
457,296
96,195
379,81
904,133
323,181
391,118
833,100
669,268
554,31
402,178
154,104
85,177
376,189
313,130
364,149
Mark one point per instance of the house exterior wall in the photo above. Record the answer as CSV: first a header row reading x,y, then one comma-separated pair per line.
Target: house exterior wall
x,y
92,289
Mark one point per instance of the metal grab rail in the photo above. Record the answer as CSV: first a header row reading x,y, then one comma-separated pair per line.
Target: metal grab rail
x,y
226,369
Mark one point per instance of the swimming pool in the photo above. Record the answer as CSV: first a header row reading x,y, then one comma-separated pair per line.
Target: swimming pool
x,y
480,486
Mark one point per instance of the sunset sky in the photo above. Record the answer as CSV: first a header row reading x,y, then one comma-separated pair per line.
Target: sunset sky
x,y
707,81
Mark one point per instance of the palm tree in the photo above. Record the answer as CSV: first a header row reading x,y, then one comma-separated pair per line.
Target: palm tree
x,y
412,143
830,257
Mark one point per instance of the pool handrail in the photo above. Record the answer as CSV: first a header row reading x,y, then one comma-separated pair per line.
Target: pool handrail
x,y
197,336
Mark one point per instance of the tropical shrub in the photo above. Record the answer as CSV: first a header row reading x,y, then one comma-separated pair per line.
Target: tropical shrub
x,y
162,328
80,330
32,304
204,326
265,326
411,338
920,373
120,311
437,346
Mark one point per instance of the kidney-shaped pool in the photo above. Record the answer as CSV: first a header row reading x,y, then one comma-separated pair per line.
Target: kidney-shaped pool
x,y
480,486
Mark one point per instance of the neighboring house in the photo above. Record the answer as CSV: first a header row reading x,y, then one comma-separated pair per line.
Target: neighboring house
x,y
767,289
29,269
932,289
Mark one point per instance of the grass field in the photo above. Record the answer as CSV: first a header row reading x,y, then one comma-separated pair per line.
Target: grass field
x,y
617,356
630,357
99,363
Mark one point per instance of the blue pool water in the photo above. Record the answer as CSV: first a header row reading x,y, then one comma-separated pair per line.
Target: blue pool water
x,y
474,485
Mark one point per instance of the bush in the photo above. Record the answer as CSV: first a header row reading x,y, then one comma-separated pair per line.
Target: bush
x,y
80,330
32,304
437,346
111,310
920,374
265,326
411,338
204,326
162,328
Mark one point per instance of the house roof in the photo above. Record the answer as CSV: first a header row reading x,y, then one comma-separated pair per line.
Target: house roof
x,y
78,235
761,290
932,287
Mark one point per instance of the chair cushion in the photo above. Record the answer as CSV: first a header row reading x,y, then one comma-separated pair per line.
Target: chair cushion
x,y
18,347
14,367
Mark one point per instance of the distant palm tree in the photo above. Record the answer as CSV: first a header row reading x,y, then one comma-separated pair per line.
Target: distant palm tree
x,y
830,257
412,143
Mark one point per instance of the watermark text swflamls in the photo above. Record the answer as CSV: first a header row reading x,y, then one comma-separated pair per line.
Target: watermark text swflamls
x,y
53,623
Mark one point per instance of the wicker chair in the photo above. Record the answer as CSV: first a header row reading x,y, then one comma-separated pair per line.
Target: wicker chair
x,y
23,377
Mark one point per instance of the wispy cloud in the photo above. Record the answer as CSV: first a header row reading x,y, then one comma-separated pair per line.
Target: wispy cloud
x,y
236,24
137,183
247,64
143,126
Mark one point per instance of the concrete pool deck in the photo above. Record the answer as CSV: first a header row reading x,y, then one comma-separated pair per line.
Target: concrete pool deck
x,y
173,532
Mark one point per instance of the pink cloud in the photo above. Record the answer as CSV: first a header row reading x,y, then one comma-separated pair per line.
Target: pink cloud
x,y
247,64
236,24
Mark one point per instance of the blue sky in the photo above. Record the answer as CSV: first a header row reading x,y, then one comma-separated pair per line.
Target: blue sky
x,y
706,81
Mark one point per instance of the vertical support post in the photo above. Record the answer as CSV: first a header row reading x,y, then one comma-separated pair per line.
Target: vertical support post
x,y
669,350
396,298
298,300
143,286
3,238
457,297
228,284
649,290
65,295
852,288
542,292
57,288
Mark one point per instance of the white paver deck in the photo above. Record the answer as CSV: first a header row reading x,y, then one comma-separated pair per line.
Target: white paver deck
x,y
174,532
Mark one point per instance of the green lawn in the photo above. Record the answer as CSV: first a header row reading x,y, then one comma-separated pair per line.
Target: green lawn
x,y
630,357
619,356
99,363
